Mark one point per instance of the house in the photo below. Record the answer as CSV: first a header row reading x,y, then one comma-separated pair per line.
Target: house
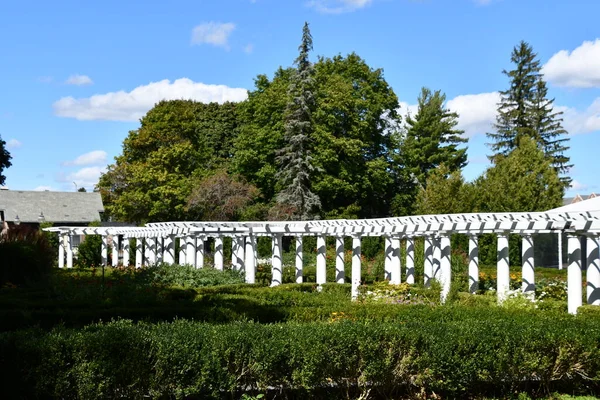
x,y
31,208
578,198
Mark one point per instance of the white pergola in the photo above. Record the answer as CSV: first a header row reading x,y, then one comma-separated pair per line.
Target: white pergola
x,y
156,243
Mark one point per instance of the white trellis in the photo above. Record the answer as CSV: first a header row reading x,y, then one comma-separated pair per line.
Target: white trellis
x,y
155,242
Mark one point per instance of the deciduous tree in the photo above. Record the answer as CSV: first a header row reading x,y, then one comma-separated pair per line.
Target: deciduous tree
x,y
5,158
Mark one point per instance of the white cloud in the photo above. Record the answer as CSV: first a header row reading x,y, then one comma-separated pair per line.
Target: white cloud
x,y
477,112
338,6
577,122
43,188
13,144
85,177
579,68
249,48
575,185
406,109
215,33
131,106
92,158
79,80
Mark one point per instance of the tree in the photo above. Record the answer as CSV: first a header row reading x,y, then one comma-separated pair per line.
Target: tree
x,y
446,192
82,189
4,160
523,181
432,138
525,111
178,143
294,159
220,197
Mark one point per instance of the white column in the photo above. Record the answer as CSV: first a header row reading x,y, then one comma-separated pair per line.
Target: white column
x,y
199,252
277,261
410,260
147,251
503,272
593,271
321,260
115,250
159,250
574,280
445,265
250,262
560,250
428,261
181,259
437,256
61,250
396,272
340,274
299,259
104,250
152,251
355,266
473,263
125,251
190,251
169,249
528,265
69,249
237,253
138,252
388,252
219,253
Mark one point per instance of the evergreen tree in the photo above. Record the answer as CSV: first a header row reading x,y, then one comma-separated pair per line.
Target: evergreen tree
x,y
432,138
294,159
525,110
4,160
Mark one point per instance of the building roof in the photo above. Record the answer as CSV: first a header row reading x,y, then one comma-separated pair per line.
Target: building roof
x,y
589,204
577,198
57,207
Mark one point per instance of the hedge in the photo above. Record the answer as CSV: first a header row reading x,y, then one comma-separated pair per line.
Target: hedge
x,y
452,352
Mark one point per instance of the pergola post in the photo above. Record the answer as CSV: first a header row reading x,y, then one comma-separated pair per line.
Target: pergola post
x,y
190,251
593,271
250,262
277,261
528,271
410,260
115,250
340,273
503,271
356,267
182,255
445,265
61,250
169,249
237,253
138,252
473,264
125,251
437,257
574,279
199,252
147,251
104,250
428,261
219,253
299,260
389,254
396,267
69,249
159,250
321,260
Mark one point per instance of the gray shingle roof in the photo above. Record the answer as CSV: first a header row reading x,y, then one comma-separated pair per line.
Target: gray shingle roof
x,y
58,207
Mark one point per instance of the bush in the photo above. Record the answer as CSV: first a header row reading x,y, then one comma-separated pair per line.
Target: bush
x,y
187,276
25,256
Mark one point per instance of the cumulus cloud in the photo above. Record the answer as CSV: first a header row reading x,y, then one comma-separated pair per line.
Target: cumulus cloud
x,y
576,185
338,6
92,158
43,188
579,68
214,33
406,109
84,177
79,80
586,121
477,112
13,144
131,106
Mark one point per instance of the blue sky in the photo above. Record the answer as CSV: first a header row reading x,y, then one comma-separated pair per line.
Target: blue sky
x,y
75,78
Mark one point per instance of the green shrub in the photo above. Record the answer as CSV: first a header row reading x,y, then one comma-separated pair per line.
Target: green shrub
x,y
26,256
185,276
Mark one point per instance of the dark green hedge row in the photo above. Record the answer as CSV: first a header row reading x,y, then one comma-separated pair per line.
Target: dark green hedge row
x,y
452,352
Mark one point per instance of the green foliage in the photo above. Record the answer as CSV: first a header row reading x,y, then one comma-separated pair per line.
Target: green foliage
x,y
188,276
445,192
5,158
26,256
89,252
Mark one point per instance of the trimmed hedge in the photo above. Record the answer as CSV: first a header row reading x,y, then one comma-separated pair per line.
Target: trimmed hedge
x,y
450,352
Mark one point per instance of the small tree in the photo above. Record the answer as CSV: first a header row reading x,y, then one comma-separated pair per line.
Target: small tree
x,y
4,160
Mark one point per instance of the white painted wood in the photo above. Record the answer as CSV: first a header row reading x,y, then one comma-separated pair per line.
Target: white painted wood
x,y
139,256
277,260
169,249
574,279
473,263
126,251
428,261
396,262
104,250
115,250
190,251
388,252
410,260
340,273
69,250
61,250
299,260
159,249
528,271
593,271
321,260
250,259
182,248
503,271
199,252
219,253
445,274
356,267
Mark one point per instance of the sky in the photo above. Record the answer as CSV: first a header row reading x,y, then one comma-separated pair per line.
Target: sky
x,y
76,77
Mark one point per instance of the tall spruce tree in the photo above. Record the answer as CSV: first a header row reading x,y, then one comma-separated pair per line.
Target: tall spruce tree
x,y
432,138
525,111
294,159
